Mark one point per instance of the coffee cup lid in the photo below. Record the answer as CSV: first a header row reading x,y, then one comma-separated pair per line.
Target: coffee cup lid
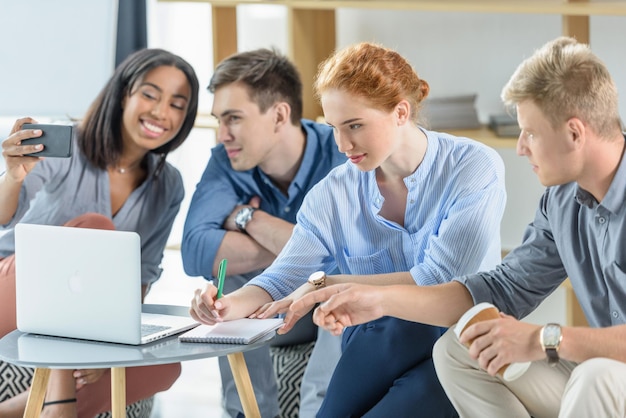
x,y
469,315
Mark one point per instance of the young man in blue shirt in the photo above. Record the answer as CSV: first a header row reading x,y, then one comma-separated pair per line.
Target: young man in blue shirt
x,y
244,207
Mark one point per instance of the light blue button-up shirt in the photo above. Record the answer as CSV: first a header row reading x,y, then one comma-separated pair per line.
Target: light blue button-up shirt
x,y
455,202
572,235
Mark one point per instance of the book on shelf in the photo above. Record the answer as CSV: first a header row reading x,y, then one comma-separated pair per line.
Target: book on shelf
x,y
452,112
238,331
504,125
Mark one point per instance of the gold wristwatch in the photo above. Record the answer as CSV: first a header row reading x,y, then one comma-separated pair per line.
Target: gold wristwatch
x,y
318,279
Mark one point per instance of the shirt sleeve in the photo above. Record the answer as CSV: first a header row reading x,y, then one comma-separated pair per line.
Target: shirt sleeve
x,y
213,200
35,180
307,249
527,275
303,254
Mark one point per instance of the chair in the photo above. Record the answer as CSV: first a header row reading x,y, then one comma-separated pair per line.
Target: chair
x,y
290,355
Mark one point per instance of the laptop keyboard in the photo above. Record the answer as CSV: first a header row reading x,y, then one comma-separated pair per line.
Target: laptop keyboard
x,y
147,329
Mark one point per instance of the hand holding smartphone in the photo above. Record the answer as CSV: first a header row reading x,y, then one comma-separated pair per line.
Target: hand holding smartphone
x,y
56,140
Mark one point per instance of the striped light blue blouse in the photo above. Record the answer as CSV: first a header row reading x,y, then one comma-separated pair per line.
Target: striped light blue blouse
x,y
455,202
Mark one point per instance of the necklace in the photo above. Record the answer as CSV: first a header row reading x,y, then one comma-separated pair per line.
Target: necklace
x,y
124,170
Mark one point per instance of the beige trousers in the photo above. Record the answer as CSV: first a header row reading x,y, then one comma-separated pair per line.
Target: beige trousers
x,y
594,388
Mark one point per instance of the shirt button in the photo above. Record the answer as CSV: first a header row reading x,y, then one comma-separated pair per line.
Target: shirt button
x,y
287,209
615,314
602,219
378,200
412,180
412,201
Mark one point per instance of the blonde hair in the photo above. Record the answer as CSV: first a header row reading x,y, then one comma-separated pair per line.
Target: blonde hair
x,y
565,79
378,74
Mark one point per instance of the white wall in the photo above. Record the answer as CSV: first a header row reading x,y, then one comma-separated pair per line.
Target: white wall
x,y
457,53
55,56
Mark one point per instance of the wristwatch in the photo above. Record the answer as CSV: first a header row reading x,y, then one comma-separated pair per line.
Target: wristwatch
x,y
550,340
243,217
318,279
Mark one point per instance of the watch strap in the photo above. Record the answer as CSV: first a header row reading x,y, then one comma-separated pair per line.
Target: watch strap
x,y
550,340
552,355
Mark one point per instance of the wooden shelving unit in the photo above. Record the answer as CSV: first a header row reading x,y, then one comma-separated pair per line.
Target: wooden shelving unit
x,y
311,25
483,135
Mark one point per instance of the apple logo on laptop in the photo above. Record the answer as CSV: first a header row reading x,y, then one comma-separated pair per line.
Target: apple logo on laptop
x,y
75,282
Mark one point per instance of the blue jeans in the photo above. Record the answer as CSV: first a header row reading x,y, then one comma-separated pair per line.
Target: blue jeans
x,y
386,370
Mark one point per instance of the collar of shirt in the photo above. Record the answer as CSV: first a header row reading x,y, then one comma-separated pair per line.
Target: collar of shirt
x,y
412,181
615,196
313,154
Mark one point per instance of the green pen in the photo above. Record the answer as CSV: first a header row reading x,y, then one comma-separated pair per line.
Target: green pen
x,y
221,275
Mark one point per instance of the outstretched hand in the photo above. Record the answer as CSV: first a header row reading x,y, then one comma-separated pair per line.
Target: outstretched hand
x,y
341,306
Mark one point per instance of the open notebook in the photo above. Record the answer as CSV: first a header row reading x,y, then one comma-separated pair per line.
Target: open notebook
x,y
238,331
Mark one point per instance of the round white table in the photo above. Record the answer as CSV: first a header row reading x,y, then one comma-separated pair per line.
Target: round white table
x,y
44,353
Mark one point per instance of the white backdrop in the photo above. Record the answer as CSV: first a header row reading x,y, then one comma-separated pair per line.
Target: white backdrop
x,y
55,56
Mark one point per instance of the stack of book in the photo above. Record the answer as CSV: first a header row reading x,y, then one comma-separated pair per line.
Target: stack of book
x,y
504,125
454,112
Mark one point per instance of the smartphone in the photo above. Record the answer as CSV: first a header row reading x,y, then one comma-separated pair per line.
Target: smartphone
x,y
56,140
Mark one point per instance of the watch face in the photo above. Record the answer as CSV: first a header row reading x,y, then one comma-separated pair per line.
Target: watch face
x,y
317,276
243,217
318,279
551,335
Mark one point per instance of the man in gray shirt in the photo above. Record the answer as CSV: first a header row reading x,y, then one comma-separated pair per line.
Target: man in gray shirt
x,y
571,134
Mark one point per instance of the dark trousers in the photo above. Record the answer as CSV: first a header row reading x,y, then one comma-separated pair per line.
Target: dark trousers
x,y
386,370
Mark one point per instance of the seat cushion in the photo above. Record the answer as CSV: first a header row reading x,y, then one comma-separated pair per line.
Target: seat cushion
x,y
289,364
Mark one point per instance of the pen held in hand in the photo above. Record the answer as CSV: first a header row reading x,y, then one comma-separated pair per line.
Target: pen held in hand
x,y
221,275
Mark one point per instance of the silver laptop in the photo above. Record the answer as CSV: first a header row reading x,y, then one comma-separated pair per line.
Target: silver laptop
x,y
85,283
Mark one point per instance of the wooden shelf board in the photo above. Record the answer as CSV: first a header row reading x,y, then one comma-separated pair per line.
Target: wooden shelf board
x,y
484,135
607,7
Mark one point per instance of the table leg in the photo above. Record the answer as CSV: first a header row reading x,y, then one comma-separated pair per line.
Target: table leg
x,y
244,385
37,393
118,392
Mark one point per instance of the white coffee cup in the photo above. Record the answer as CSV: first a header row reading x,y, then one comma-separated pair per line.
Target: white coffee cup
x,y
482,312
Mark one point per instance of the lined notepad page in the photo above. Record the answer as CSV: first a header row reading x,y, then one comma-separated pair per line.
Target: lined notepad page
x,y
238,331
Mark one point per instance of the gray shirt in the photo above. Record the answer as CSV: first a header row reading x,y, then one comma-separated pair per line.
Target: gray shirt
x,y
60,189
572,235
